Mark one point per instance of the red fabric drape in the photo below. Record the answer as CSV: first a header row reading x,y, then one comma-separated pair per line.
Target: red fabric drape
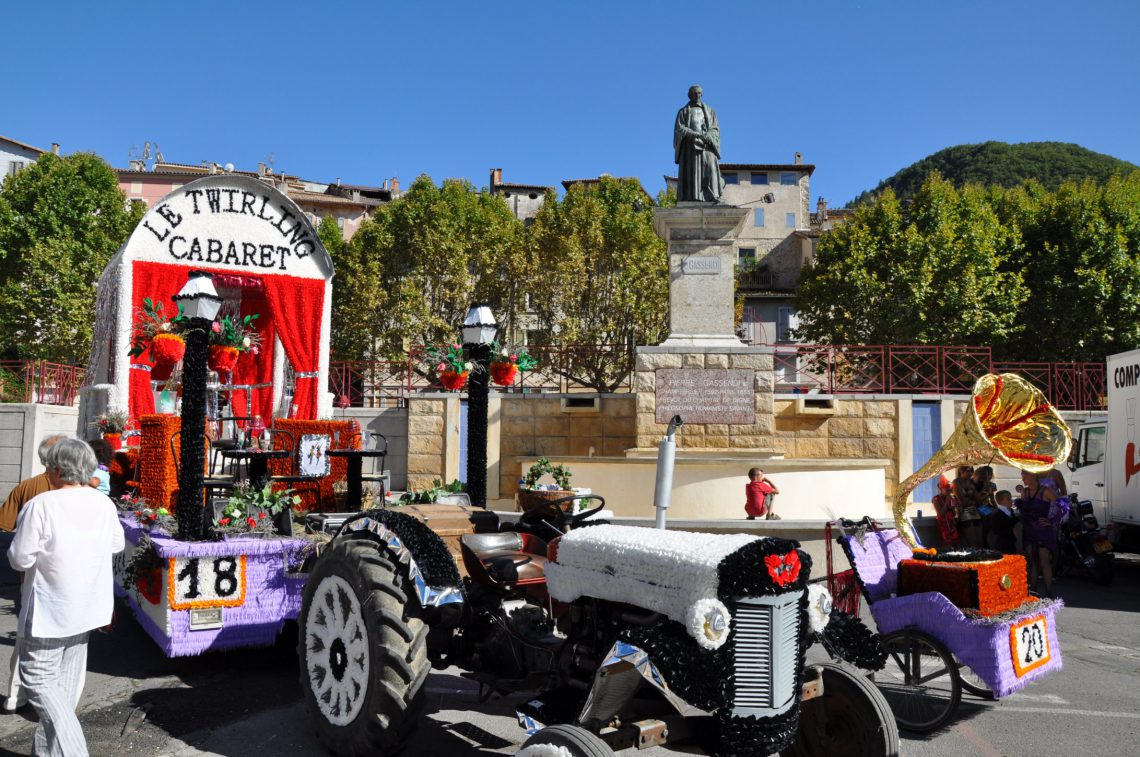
x,y
160,282
297,306
255,369
290,307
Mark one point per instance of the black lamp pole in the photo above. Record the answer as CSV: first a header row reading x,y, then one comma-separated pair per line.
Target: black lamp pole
x,y
199,302
478,389
192,457
478,334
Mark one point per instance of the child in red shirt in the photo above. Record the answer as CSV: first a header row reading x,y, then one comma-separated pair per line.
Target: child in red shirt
x,y
758,494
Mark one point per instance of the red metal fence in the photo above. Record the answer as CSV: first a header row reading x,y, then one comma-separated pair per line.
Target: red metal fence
x,y
40,381
918,369
799,368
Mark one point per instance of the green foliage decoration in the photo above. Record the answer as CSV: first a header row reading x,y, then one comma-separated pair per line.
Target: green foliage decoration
x,y
543,467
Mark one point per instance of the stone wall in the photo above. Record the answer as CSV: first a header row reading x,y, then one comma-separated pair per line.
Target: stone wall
x,y
538,426
22,428
433,438
850,428
695,435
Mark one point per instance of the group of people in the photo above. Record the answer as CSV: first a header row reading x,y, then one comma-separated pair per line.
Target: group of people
x,y
971,512
66,532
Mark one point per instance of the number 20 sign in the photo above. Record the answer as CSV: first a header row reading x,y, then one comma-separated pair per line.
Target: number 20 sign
x,y
1029,644
206,582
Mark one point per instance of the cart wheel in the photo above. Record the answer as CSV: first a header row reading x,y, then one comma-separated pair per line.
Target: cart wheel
x,y
920,681
560,740
973,684
851,719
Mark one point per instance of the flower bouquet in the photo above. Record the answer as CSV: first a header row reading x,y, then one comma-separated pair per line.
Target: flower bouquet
x,y
229,337
111,426
158,332
259,511
532,494
506,362
450,364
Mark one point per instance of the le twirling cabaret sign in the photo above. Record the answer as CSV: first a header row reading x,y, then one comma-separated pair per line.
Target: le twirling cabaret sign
x,y
231,222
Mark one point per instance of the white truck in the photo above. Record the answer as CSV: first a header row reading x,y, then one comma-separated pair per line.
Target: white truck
x,y
1105,463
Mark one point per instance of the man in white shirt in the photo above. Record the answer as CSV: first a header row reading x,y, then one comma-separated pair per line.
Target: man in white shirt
x,y
64,541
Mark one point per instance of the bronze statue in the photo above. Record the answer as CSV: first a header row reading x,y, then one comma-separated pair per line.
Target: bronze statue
x,y
696,150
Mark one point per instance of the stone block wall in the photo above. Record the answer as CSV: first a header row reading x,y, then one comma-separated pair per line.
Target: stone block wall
x,y
857,429
757,435
429,440
537,426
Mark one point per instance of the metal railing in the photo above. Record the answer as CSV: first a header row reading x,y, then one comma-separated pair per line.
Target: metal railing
x,y
40,381
921,369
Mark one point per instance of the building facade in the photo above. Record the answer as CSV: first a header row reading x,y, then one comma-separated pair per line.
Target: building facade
x,y
15,156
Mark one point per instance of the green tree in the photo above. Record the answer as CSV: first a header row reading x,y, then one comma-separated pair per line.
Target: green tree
x,y
600,275
357,299
432,253
1082,265
61,220
942,272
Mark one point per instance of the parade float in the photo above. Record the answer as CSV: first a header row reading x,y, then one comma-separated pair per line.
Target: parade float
x,y
962,619
202,569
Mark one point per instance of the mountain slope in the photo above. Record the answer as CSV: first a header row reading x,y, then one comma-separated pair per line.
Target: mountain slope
x,y
1001,163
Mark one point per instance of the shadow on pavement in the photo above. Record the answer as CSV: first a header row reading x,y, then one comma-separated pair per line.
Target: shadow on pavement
x,y
1119,596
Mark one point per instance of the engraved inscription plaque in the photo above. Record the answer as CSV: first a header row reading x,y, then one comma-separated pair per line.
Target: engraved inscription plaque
x,y
706,395
703,264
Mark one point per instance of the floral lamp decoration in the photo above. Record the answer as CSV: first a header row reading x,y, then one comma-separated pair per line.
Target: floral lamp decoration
x,y
159,332
450,364
111,426
229,337
507,361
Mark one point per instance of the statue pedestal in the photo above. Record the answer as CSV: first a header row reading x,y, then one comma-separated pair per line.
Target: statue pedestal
x,y
702,262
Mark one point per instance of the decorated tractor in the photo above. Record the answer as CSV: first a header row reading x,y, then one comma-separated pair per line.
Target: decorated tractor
x,y
631,637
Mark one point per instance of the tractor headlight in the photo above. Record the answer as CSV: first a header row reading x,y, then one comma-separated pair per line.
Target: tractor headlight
x,y
818,607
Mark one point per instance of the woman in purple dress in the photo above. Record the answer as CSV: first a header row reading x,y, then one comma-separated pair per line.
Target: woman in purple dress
x,y
1038,532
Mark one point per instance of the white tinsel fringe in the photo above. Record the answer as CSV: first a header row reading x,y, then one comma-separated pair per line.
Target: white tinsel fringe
x,y
670,572
544,750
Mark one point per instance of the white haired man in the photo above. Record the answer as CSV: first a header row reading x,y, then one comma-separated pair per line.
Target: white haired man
x,y
65,539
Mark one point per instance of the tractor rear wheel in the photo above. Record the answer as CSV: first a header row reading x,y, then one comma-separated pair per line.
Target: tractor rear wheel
x,y
362,649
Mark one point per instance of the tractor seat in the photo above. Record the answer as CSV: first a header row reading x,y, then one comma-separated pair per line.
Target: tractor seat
x,y
505,558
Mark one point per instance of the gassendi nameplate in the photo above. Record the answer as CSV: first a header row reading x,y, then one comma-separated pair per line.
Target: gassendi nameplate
x,y
706,395
700,264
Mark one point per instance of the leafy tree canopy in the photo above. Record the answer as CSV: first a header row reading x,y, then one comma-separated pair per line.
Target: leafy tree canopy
x,y
599,273
1033,273
411,272
61,220
1005,165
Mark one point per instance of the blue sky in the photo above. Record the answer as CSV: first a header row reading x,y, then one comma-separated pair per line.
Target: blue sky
x,y
365,91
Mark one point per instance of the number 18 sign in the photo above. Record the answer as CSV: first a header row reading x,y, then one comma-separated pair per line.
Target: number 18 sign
x,y
1029,644
206,582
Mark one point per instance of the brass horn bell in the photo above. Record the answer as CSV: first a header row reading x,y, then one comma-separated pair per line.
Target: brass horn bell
x,y
1009,422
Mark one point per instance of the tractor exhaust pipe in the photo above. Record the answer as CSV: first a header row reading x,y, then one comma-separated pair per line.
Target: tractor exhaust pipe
x,y
666,452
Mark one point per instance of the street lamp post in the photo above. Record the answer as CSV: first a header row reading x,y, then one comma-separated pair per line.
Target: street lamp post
x,y
200,303
478,333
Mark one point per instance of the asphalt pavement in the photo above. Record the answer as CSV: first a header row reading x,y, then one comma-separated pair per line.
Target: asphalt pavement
x,y
137,702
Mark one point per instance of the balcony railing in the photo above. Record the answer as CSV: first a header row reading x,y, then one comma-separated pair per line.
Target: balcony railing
x,y
40,381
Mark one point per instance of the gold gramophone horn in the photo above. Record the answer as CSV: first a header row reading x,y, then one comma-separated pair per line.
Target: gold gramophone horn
x,y
1009,422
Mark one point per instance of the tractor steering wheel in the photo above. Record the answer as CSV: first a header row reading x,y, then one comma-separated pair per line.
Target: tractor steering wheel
x,y
552,515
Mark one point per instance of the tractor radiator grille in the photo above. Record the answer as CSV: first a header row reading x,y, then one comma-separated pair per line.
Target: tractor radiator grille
x,y
767,650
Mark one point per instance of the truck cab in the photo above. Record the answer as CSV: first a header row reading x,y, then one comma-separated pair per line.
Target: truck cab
x,y
1086,463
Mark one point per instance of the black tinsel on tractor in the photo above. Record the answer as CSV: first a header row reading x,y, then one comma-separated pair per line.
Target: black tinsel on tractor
x,y
705,678
847,638
745,574
431,554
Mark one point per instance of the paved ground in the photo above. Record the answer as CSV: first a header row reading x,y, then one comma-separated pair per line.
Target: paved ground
x,y
248,703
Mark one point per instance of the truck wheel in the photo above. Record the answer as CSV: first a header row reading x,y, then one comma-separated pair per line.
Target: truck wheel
x,y
851,719
362,649
557,740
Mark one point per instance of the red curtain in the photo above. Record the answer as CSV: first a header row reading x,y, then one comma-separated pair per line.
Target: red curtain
x,y
290,308
160,282
297,306
255,369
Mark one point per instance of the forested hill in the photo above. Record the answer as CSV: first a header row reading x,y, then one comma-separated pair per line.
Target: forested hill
x,y
1006,165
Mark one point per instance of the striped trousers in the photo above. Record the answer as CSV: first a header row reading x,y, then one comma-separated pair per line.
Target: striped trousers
x,y
51,672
